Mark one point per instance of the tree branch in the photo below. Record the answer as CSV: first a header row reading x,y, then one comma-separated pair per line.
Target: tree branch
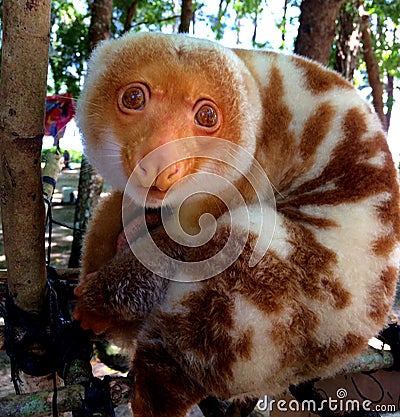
x,y
131,12
372,66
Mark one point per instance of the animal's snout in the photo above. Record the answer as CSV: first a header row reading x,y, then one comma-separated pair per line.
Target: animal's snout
x,y
156,172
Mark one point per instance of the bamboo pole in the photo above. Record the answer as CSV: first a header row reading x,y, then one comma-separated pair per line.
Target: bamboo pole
x,y
26,28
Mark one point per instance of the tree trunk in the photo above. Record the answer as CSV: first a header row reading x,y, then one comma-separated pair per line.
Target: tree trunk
x,y
100,23
89,190
131,12
317,29
90,183
372,66
26,31
22,110
349,39
186,16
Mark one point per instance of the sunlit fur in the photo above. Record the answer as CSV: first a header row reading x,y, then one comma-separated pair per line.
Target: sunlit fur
x,y
326,283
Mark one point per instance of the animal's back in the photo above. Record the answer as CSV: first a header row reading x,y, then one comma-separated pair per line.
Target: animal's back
x,y
327,281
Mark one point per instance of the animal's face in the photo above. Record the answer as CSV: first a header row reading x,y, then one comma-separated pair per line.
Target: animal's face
x,y
145,92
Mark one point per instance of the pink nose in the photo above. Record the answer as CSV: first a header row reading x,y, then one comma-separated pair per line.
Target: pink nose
x,y
151,174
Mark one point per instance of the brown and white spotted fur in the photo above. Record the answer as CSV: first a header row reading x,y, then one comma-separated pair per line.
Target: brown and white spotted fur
x,y
324,286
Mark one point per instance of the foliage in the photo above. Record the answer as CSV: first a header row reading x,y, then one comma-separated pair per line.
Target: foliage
x,y
242,9
69,47
75,156
218,24
386,34
152,15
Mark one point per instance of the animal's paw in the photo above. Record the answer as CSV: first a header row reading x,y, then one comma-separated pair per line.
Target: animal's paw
x,y
88,311
136,228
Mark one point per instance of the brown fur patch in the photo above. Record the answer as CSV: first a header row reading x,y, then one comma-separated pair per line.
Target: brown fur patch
x,y
315,263
269,285
196,337
316,128
384,245
380,295
378,309
341,297
388,214
322,355
276,281
294,335
359,180
389,278
162,388
298,340
278,139
298,216
243,346
319,80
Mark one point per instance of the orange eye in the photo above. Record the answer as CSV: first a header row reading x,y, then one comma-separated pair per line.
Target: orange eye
x,y
206,116
133,98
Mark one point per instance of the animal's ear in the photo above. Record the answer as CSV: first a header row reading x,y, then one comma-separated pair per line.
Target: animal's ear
x,y
255,61
246,55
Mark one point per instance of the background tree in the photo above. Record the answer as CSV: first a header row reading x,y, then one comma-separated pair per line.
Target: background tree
x,y
317,29
90,183
372,65
186,16
69,47
22,109
100,22
384,20
348,39
367,41
142,14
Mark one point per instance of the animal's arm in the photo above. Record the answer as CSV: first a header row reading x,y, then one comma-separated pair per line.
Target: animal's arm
x,y
123,291
100,244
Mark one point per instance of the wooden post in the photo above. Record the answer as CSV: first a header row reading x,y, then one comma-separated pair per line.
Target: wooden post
x,y
25,46
26,28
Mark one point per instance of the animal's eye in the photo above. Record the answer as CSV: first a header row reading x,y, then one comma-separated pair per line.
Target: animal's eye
x,y
133,98
207,116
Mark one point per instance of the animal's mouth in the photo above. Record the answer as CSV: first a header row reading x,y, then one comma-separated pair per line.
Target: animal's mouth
x,y
154,196
156,193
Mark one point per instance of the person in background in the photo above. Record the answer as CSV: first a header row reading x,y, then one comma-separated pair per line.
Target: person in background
x,y
67,160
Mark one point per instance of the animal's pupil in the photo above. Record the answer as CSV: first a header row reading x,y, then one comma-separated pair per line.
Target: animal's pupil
x,y
134,98
207,116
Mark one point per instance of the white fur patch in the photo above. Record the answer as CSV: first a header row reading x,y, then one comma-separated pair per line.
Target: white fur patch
x,y
378,160
250,376
106,157
358,228
267,226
